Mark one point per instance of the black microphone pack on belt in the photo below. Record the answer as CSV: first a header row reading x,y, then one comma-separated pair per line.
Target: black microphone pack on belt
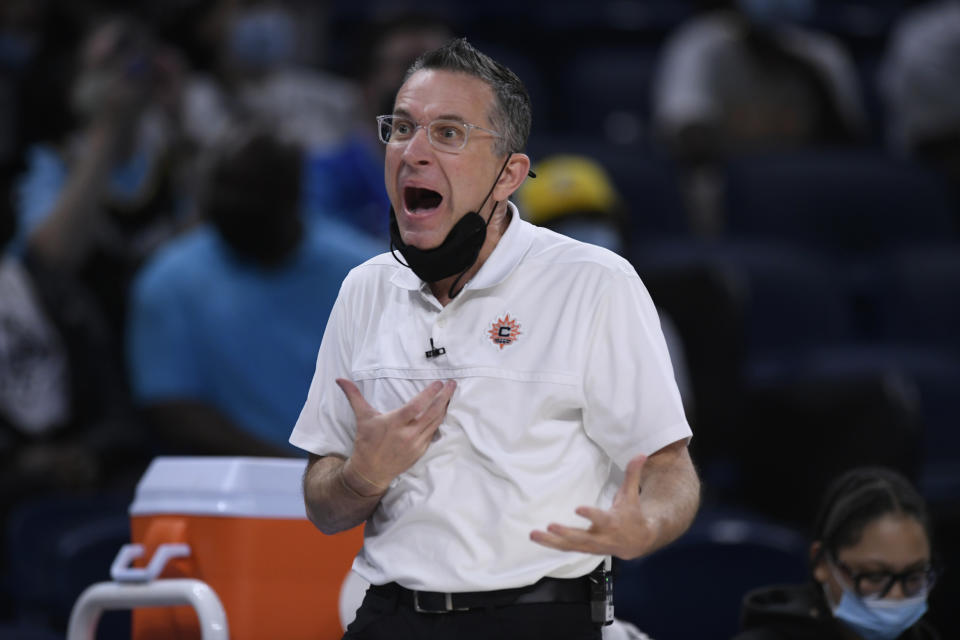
x,y
601,593
435,351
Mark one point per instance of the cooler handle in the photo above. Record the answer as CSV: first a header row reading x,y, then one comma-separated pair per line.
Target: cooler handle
x,y
121,571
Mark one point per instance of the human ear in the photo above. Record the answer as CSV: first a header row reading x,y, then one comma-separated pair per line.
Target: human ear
x,y
512,177
818,559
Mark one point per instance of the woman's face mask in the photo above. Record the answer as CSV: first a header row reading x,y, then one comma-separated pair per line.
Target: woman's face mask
x,y
877,618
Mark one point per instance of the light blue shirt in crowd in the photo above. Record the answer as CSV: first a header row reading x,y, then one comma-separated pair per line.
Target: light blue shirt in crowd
x,y
208,327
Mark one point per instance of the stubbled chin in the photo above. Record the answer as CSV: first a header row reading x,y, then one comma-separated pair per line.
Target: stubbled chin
x,y
422,238
420,221
420,214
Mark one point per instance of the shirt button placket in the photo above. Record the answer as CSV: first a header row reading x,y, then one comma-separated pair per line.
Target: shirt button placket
x,y
438,331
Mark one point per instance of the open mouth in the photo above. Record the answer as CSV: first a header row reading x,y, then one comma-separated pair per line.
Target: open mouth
x,y
419,200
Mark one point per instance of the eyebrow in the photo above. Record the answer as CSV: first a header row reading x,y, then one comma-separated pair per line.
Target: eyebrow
x,y
443,116
878,565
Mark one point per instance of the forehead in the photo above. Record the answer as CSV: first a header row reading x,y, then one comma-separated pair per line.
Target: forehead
x,y
896,541
431,93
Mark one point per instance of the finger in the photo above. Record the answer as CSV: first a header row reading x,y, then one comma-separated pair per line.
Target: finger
x,y
568,539
631,480
361,408
438,405
548,539
412,410
433,417
600,518
423,438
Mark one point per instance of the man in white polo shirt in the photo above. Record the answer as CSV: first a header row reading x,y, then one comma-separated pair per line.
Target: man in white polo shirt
x,y
499,408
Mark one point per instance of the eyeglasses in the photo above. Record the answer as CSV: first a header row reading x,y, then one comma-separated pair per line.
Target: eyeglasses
x,y
877,584
445,135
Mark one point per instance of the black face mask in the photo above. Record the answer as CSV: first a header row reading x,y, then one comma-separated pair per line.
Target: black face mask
x,y
458,251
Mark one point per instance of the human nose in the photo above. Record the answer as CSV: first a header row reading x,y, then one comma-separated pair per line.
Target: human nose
x,y
896,591
418,148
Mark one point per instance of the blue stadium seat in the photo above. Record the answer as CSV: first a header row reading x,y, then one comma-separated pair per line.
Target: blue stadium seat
x,y
704,298
858,19
918,294
692,589
18,631
839,200
655,17
59,544
646,180
527,68
84,553
796,301
931,379
604,91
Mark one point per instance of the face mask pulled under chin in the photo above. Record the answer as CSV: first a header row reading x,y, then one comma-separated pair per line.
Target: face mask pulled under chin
x,y
878,619
458,251
455,254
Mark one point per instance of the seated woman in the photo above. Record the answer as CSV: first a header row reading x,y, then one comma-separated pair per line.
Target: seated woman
x,y
871,568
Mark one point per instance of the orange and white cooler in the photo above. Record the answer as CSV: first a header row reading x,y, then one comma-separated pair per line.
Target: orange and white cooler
x,y
244,522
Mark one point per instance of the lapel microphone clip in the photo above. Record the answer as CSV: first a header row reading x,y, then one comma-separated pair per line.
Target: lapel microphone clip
x,y
435,351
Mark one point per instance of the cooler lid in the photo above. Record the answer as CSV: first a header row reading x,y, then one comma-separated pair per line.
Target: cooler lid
x,y
221,486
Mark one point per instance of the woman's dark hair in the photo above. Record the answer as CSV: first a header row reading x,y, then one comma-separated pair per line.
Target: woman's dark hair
x,y
512,114
857,498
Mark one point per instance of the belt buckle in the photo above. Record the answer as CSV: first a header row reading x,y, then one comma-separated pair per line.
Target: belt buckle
x,y
447,604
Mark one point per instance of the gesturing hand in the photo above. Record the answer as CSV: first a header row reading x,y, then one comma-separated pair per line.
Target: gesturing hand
x,y
387,444
622,530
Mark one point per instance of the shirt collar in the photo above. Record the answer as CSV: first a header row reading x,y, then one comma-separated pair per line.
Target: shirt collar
x,y
499,265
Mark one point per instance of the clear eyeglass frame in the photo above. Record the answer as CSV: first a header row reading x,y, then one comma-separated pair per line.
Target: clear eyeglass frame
x,y
443,134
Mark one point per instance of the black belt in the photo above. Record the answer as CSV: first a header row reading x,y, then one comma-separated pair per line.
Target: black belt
x,y
545,590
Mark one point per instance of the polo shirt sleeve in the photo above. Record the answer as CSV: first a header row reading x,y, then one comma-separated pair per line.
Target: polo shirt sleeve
x,y
162,356
632,404
327,424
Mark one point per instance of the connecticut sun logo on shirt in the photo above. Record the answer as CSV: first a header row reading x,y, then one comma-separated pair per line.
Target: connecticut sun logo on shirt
x,y
504,331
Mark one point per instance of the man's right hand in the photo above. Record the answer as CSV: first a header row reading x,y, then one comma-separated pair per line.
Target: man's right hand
x,y
387,444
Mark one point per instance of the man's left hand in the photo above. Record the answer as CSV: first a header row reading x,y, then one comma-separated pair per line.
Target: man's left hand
x,y
623,530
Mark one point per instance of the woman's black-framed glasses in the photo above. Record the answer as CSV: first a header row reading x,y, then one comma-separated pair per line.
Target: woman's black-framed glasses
x,y
877,584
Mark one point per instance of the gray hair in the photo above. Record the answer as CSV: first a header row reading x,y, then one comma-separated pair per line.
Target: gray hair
x,y
512,114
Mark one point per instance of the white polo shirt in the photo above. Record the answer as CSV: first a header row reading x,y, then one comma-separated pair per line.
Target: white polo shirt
x,y
562,377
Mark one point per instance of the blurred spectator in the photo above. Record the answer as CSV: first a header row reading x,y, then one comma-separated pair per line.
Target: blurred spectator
x,y
226,320
871,568
575,196
100,198
749,77
753,77
389,49
919,82
20,41
36,38
66,420
257,73
348,178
